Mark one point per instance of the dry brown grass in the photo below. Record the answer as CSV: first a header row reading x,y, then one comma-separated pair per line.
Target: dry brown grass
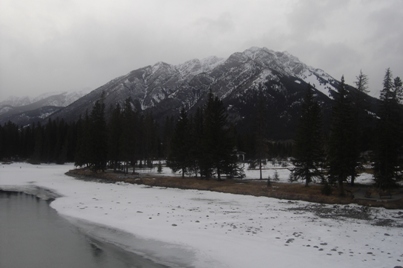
x,y
289,191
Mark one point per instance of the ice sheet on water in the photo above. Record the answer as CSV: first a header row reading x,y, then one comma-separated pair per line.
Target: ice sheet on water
x,y
40,192
167,254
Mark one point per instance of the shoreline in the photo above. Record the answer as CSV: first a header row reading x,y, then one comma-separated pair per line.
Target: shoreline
x,y
278,190
125,241
103,238
211,229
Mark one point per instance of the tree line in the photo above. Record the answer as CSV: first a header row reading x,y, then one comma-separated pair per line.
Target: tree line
x,y
204,143
128,139
337,157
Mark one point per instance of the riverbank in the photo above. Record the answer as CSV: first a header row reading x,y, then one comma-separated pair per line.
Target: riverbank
x,y
359,194
193,228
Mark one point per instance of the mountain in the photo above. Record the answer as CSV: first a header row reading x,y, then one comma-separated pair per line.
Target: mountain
x,y
24,110
164,88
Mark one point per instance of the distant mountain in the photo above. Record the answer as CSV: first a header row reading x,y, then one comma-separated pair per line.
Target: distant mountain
x,y
164,88
24,110
14,101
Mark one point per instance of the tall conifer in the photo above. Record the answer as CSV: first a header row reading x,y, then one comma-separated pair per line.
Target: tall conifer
x,y
98,134
308,143
114,136
386,166
217,142
180,153
340,158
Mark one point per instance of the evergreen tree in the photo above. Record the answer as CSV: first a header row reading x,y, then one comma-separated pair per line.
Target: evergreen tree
x,y
340,156
308,142
360,124
386,166
82,155
362,82
180,157
398,88
128,138
38,149
98,134
260,128
217,143
114,136
73,141
149,139
49,141
168,130
60,148
27,141
196,135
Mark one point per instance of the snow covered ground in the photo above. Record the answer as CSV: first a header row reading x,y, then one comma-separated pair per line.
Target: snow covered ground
x,y
189,228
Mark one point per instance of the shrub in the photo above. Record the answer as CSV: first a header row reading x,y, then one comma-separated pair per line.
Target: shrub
x,y
276,176
326,189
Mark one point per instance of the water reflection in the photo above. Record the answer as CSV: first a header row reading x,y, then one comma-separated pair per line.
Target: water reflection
x,y
32,234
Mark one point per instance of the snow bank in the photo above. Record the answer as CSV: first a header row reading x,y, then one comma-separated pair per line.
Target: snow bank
x,y
189,228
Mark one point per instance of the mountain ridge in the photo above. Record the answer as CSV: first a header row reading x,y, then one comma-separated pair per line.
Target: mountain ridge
x,y
163,89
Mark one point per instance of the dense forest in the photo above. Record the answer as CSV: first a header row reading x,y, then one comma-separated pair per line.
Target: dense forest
x,y
206,144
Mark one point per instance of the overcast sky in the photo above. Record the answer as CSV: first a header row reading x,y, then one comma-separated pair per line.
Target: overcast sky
x,y
64,45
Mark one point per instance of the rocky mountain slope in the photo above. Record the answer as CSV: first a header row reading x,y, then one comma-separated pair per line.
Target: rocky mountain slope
x,y
164,88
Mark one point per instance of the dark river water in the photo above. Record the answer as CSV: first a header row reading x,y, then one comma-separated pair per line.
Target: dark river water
x,y
32,235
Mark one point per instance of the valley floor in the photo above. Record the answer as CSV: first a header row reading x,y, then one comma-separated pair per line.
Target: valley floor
x,y
193,228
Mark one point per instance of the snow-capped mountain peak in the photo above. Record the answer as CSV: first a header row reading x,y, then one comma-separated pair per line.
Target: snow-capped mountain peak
x,y
194,67
164,88
288,64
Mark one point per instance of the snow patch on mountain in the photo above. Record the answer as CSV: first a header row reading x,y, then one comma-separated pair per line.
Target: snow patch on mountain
x,y
60,99
323,85
210,63
287,64
193,67
264,76
15,101
5,109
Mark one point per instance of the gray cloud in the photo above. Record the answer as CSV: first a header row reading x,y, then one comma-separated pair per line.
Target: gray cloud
x,y
220,25
49,45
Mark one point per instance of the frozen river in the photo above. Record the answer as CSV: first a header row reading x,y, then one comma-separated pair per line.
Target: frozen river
x,y
34,235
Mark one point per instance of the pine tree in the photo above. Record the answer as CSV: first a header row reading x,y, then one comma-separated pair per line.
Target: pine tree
x,y
99,139
386,166
114,136
128,137
82,155
340,158
196,135
168,130
398,88
308,142
362,82
149,139
217,142
38,149
260,129
360,125
180,153
49,141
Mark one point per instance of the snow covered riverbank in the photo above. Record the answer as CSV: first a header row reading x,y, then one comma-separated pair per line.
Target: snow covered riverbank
x,y
189,228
